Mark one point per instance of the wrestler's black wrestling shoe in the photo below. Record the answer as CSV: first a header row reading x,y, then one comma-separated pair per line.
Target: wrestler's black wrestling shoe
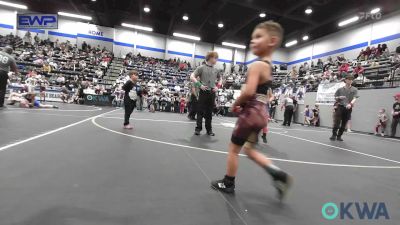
x,y
210,133
264,138
282,182
224,185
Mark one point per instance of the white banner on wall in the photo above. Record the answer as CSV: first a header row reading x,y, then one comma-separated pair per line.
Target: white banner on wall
x,y
326,93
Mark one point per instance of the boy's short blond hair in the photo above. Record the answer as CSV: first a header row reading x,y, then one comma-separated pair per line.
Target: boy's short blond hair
x,y
133,72
273,28
211,55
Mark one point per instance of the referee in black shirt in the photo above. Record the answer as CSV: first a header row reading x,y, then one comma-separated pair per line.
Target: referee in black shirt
x,y
205,77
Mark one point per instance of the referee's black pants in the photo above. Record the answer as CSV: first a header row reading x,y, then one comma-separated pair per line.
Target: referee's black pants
x,y
3,86
192,106
287,115
204,107
340,118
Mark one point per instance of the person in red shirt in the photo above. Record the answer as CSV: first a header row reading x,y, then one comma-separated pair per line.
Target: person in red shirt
x,y
182,105
344,68
358,71
367,53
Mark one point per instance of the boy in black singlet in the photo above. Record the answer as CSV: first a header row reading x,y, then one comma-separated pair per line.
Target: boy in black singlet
x,y
251,107
130,97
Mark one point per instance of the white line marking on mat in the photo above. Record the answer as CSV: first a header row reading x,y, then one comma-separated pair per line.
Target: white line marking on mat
x,y
60,110
344,149
222,152
52,114
168,121
50,132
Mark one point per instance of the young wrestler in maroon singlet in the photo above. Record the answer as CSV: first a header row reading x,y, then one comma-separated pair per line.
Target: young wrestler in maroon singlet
x,y
251,107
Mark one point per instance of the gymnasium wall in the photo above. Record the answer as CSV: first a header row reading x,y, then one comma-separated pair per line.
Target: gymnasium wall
x,y
365,112
122,40
349,41
280,56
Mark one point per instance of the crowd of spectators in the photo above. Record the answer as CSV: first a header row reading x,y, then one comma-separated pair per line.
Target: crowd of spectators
x,y
45,64
165,83
333,69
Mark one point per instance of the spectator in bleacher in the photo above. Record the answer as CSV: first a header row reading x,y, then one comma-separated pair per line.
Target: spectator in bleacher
x,y
395,115
374,52
46,68
7,63
340,59
320,64
366,53
374,64
302,71
60,80
358,71
361,55
378,51
385,51
324,80
293,74
27,39
343,69
306,66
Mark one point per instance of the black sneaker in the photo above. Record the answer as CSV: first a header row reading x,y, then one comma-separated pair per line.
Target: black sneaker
x,y
197,132
339,138
264,138
332,138
282,183
55,107
210,133
221,185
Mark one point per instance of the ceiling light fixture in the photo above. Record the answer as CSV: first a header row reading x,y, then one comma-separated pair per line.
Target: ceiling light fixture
x,y
138,27
348,21
75,15
291,43
186,36
376,10
19,6
234,45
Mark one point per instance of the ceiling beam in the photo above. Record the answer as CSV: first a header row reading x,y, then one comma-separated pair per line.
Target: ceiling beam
x,y
175,12
273,11
237,28
74,6
210,13
296,6
109,20
140,10
322,23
